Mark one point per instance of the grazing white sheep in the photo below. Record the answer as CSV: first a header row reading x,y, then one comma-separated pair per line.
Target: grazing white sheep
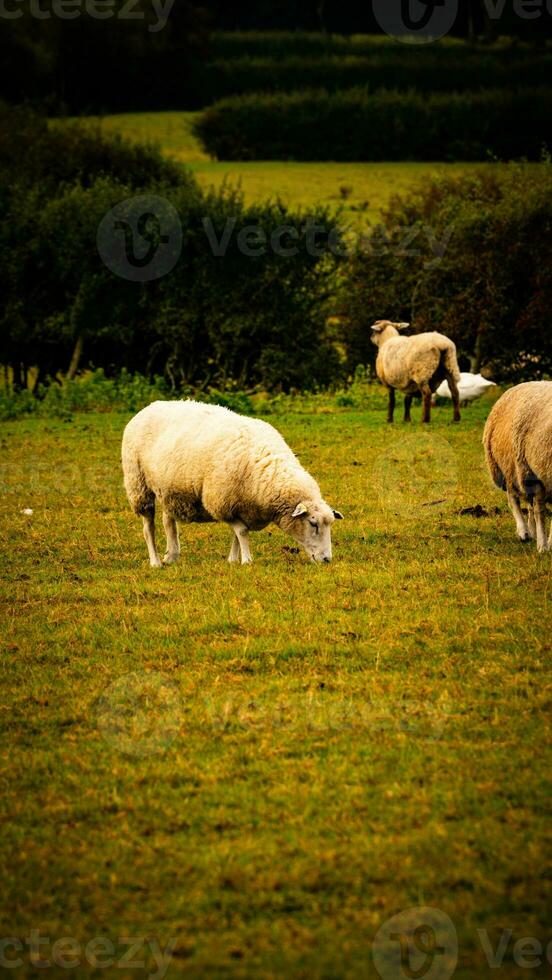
x,y
412,364
518,450
470,387
206,463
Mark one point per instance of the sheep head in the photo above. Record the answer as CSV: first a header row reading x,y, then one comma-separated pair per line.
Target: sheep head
x,y
310,525
382,330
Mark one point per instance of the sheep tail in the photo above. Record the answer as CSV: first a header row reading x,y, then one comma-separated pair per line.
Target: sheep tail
x,y
450,361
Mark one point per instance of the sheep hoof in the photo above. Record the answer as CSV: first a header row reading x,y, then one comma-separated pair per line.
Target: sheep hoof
x,y
156,563
169,559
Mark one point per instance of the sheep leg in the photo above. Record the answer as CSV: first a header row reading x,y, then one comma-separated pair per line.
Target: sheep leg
x,y
242,533
234,550
426,395
539,510
391,405
521,527
455,395
149,535
173,544
407,406
531,522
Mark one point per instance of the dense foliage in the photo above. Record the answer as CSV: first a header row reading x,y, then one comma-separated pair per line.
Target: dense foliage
x,y
254,314
491,291
181,63
136,56
357,124
442,68
470,256
242,63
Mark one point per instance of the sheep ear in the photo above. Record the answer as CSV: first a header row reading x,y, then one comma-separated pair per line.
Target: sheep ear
x,y
377,327
402,326
300,510
338,516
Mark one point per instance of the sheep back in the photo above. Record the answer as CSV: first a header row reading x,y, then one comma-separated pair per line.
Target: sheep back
x,y
206,463
407,362
518,438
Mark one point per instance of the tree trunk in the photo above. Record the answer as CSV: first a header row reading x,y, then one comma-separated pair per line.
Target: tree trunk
x,y
75,358
40,375
475,358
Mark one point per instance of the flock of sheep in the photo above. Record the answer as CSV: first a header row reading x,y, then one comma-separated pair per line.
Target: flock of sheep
x,y
206,463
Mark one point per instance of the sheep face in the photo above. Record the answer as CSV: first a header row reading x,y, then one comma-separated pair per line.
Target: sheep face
x,y
310,525
382,330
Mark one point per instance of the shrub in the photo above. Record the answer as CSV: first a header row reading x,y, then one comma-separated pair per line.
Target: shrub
x,y
251,318
492,290
34,151
385,125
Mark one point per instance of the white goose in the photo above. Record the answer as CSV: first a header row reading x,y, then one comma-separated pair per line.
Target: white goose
x,y
470,387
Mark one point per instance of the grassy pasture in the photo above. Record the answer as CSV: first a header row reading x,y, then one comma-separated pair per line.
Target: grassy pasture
x,y
265,763
368,186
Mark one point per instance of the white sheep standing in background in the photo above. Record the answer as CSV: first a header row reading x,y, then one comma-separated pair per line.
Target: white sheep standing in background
x,y
518,450
417,363
470,387
206,463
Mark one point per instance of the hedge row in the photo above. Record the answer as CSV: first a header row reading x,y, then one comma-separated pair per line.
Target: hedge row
x,y
281,45
387,67
356,125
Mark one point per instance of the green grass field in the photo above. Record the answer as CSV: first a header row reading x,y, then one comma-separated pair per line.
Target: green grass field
x,y
261,765
368,186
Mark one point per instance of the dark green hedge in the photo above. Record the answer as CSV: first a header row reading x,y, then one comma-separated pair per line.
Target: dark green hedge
x,y
282,45
433,70
34,150
256,315
385,125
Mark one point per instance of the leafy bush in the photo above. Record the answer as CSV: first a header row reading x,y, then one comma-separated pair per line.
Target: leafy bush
x,y
94,392
33,150
492,290
254,318
385,125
